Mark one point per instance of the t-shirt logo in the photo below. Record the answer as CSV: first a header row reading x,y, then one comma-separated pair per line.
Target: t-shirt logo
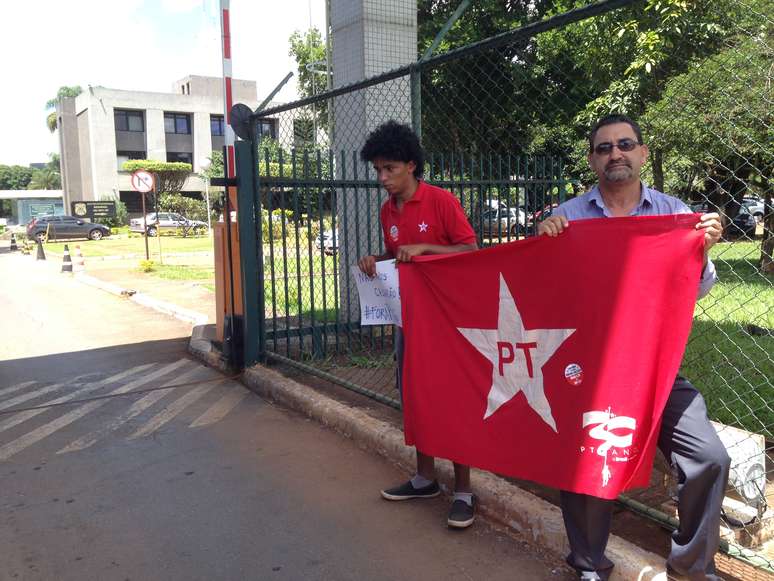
x,y
394,233
422,226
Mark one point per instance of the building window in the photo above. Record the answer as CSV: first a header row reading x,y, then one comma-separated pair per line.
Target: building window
x,y
180,156
177,123
216,125
123,156
267,128
129,120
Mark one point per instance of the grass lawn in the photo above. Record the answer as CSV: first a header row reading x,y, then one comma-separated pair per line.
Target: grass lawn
x,y
733,367
184,272
114,246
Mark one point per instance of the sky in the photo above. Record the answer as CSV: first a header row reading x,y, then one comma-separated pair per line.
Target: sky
x,y
143,45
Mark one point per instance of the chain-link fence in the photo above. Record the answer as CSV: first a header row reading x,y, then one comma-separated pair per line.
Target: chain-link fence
x,y
504,123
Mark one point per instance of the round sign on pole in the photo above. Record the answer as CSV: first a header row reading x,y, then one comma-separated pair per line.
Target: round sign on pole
x,y
142,181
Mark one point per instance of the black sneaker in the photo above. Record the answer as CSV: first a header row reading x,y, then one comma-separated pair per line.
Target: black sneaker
x,y
406,491
461,514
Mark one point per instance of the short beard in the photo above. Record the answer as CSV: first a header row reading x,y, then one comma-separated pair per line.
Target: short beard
x,y
618,173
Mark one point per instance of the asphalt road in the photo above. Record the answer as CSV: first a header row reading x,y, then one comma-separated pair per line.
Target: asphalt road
x,y
123,459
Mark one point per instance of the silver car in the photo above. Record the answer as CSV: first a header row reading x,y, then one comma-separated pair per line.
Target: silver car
x,y
167,222
503,221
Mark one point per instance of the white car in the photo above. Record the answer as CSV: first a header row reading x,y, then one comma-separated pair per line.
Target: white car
x,y
502,221
755,206
167,222
328,242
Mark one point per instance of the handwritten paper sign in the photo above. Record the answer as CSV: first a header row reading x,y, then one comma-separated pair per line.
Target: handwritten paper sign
x,y
380,295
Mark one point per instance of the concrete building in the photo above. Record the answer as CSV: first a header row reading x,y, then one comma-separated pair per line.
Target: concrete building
x,y
102,128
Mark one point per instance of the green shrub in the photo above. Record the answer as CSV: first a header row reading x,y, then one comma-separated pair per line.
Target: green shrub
x,y
122,216
147,266
272,226
191,208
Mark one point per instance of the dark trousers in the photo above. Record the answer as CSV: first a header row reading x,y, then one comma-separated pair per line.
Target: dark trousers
x,y
691,444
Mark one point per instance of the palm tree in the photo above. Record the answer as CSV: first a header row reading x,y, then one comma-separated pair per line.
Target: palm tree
x,y
64,91
45,179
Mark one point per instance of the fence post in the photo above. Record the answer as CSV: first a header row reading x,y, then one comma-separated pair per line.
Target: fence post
x,y
416,100
251,255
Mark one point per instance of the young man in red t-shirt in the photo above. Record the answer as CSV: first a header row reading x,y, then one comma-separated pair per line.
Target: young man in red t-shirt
x,y
417,219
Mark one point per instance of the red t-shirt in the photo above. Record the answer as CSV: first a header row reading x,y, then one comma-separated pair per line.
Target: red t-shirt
x,y
432,216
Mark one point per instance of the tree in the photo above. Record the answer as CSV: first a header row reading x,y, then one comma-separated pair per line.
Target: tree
x,y
170,176
63,91
44,179
53,162
14,177
717,118
309,51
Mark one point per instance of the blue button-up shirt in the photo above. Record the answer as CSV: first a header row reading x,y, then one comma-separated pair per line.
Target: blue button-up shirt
x,y
652,203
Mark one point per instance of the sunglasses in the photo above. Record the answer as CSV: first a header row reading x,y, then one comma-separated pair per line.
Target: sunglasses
x,y
622,145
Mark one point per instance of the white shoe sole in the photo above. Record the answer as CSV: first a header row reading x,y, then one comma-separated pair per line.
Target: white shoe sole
x,y
389,496
460,524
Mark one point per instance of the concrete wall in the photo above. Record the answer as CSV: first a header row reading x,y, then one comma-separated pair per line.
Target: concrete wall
x,y
242,91
69,159
86,169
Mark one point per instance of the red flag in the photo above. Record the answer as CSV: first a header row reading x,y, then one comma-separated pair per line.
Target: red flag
x,y
551,359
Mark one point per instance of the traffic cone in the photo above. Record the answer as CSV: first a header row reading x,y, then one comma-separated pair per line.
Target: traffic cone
x,y
78,262
13,242
41,252
67,264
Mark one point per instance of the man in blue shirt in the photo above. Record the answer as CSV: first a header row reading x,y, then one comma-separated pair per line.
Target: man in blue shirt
x,y
687,439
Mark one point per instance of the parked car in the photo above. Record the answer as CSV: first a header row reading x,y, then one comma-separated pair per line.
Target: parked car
x,y
64,228
755,206
328,242
540,215
167,222
743,224
502,221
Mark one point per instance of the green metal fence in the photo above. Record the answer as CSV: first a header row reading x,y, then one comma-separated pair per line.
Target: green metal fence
x,y
504,122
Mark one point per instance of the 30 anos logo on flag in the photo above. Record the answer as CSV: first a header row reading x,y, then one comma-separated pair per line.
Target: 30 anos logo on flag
x,y
547,359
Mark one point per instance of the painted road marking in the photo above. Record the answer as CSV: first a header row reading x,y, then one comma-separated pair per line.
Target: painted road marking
x,y
172,410
14,388
222,407
24,416
136,409
15,401
46,430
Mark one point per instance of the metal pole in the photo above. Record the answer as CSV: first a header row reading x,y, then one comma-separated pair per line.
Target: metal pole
x,y
145,226
225,27
229,169
158,220
207,201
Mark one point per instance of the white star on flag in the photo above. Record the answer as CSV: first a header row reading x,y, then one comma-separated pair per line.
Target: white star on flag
x,y
517,355
422,227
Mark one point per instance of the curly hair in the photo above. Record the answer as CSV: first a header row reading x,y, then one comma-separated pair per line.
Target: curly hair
x,y
395,142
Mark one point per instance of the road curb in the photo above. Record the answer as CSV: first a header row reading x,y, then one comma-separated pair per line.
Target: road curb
x,y
145,300
500,501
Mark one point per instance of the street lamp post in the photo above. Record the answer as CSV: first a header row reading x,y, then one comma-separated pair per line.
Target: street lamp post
x,y
204,165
